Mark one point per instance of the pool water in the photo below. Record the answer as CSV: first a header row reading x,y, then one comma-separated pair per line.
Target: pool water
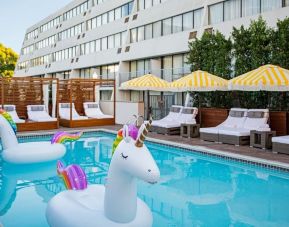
x,y
194,190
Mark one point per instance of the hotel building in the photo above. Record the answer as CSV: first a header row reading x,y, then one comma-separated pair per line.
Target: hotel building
x,y
123,39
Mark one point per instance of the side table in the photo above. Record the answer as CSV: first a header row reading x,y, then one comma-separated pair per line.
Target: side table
x,y
261,139
190,130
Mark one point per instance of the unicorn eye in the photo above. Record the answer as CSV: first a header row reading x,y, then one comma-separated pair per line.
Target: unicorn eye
x,y
123,156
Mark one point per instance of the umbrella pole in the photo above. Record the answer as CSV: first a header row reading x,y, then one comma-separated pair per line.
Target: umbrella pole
x,y
148,102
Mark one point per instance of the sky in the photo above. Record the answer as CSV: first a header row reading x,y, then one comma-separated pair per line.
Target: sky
x,y
17,15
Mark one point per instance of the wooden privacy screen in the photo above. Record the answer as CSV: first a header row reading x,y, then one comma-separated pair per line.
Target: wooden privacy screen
x,y
23,91
78,91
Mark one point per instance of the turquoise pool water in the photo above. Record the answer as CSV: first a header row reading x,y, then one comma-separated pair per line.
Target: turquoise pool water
x,y
195,190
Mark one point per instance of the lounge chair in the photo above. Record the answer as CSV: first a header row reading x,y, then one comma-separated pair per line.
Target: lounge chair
x,y
256,120
38,113
11,109
92,110
64,112
178,115
236,119
281,144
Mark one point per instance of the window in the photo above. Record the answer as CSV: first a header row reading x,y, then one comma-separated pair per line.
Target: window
x,y
140,34
286,2
216,13
104,43
117,13
125,10
268,5
140,5
188,21
157,29
133,35
111,16
97,45
117,40
148,4
123,38
92,47
148,31
177,24
104,18
250,7
111,42
156,2
232,9
198,14
140,67
167,26
177,64
98,21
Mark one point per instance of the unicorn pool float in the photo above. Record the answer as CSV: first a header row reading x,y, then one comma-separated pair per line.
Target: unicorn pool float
x,y
21,153
113,204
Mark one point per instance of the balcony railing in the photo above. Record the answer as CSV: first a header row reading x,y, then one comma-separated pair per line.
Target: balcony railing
x,y
166,74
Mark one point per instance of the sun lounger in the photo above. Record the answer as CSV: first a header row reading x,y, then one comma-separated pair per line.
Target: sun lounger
x,y
256,120
235,120
11,109
92,110
281,144
64,112
38,113
178,115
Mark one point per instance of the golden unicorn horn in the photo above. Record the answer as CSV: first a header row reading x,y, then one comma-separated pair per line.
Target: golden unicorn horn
x,y
139,142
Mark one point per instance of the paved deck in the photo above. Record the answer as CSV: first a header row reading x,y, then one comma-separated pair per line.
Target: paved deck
x,y
242,150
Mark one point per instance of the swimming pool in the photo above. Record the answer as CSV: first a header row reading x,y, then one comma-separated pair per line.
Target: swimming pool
x,y
194,190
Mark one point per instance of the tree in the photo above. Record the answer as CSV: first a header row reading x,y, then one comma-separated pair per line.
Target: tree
x,y
8,60
212,53
252,49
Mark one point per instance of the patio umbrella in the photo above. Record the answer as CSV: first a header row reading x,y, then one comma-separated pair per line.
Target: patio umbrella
x,y
146,82
199,81
266,78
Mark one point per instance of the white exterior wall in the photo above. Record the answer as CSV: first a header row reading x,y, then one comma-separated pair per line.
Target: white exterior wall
x,y
161,46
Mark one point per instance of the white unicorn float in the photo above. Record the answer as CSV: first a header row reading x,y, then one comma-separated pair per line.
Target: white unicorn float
x,y
25,153
116,203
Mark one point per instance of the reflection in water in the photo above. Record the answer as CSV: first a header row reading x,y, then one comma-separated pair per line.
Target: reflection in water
x,y
193,191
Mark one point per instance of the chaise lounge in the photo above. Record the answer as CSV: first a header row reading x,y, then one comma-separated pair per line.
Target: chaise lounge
x,y
281,144
171,124
256,120
235,120
92,110
11,109
64,112
38,113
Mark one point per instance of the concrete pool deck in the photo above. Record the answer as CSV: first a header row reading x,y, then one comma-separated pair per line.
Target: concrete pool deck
x,y
230,150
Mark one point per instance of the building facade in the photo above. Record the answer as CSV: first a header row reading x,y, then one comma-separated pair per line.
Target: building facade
x,y
123,39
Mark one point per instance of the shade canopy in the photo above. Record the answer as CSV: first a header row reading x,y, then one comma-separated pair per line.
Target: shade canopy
x,y
266,78
199,81
147,82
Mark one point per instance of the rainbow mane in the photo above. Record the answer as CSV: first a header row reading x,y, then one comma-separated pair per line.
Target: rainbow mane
x,y
8,117
63,137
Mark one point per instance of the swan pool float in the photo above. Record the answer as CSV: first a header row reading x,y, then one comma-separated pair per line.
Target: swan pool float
x,y
25,153
116,203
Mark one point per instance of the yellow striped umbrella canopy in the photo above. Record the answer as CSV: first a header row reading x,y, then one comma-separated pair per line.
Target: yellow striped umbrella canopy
x,y
199,81
267,78
146,82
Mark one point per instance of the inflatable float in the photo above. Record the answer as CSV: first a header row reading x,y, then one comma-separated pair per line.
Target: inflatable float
x,y
21,153
116,203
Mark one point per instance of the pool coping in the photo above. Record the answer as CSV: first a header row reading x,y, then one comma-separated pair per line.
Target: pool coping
x,y
189,148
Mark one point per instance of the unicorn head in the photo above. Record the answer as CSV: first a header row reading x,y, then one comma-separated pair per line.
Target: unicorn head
x,y
132,157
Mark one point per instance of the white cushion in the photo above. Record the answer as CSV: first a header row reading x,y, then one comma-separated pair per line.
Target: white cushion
x,y
257,123
281,139
212,130
94,112
235,132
